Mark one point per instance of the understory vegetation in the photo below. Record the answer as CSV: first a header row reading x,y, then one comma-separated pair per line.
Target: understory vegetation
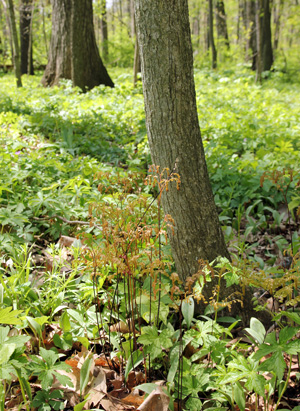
x,y
90,304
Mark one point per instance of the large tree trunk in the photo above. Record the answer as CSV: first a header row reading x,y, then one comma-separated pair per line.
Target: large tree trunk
x,y
14,35
73,51
25,35
222,22
59,58
175,139
173,131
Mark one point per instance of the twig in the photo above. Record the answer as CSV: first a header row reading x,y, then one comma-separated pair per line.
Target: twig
x,y
71,222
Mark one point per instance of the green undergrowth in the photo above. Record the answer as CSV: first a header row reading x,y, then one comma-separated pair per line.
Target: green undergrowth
x,y
53,141
74,164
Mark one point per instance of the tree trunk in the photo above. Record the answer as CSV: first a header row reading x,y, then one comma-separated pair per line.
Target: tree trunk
x,y
104,31
73,51
137,62
251,31
173,131
211,35
267,51
259,11
14,34
25,35
221,22
175,139
277,16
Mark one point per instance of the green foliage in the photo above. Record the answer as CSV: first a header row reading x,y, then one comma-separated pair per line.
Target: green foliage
x,y
54,143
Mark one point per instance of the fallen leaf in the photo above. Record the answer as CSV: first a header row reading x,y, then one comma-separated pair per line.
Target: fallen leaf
x,y
158,400
97,390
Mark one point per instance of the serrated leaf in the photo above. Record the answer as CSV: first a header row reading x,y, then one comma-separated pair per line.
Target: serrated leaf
x,y
256,383
7,316
287,333
275,363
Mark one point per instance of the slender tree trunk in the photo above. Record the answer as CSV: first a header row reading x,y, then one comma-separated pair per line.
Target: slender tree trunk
x,y
17,63
259,11
104,31
137,62
8,31
222,22
251,32
267,50
277,17
44,28
26,8
30,58
73,51
132,22
211,35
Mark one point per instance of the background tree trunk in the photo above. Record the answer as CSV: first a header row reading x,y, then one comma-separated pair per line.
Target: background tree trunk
x,y
25,36
267,51
73,52
87,70
278,7
221,22
59,58
211,34
14,34
104,31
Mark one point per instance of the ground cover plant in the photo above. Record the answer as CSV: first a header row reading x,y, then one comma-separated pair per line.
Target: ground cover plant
x,y
90,305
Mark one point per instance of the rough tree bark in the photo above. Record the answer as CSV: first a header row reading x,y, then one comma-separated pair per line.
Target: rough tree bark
x,y
73,52
174,135
25,34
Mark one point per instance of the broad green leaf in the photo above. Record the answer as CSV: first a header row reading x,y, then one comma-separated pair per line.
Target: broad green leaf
x,y
256,330
64,322
239,396
133,361
5,352
85,374
187,309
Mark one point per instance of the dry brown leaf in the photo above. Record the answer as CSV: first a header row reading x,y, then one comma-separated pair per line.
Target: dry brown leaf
x,y
66,241
158,400
97,390
119,327
113,404
134,399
